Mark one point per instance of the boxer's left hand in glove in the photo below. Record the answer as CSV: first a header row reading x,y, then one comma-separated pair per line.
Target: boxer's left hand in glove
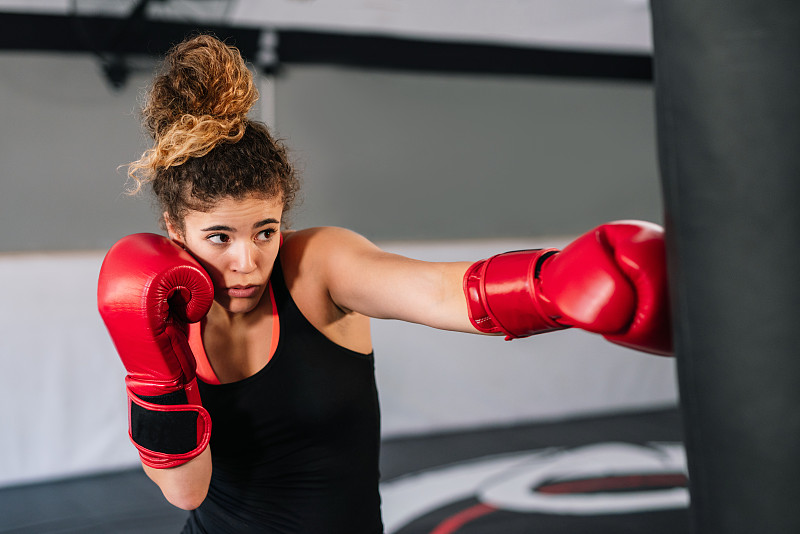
x,y
611,281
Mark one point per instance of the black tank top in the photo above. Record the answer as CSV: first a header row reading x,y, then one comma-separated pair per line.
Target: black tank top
x,y
295,446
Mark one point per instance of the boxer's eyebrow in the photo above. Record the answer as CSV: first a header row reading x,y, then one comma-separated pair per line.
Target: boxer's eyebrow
x,y
223,228
265,222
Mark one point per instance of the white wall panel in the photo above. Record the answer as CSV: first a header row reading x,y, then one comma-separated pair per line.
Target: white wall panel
x,y
62,393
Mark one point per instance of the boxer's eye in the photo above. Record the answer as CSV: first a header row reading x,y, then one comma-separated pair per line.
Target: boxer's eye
x,y
218,239
266,235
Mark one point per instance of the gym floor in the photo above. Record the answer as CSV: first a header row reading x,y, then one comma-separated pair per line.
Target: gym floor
x,y
613,474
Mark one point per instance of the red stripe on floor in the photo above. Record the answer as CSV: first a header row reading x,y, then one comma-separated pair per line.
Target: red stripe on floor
x,y
453,523
611,483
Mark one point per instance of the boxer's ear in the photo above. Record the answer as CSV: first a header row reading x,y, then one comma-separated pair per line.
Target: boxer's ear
x,y
173,231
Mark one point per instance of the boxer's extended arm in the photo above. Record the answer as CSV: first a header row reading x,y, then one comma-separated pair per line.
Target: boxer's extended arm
x,y
148,290
611,281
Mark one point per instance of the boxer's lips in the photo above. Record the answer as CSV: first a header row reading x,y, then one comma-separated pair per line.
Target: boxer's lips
x,y
242,292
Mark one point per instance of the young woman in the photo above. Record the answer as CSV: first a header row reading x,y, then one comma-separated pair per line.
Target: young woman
x,y
265,333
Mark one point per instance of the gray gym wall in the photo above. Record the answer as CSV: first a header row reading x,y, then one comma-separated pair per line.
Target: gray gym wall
x,y
392,155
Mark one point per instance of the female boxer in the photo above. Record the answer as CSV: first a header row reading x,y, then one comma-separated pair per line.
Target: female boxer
x,y
265,335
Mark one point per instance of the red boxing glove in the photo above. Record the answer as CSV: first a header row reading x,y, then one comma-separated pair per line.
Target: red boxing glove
x,y
149,289
611,281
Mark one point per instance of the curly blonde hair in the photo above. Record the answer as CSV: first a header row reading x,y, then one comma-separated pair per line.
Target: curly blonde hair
x,y
205,147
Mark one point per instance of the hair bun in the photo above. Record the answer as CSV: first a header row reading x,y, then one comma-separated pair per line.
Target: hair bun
x,y
200,99
202,77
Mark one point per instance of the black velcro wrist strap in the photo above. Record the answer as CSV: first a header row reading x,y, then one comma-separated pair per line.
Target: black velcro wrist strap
x,y
167,432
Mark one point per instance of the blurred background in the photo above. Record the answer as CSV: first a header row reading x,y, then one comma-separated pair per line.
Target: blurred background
x,y
447,130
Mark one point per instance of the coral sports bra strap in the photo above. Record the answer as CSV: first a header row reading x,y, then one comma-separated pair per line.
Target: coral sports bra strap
x,y
204,369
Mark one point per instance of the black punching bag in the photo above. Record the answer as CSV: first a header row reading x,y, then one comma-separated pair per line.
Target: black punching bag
x,y
727,80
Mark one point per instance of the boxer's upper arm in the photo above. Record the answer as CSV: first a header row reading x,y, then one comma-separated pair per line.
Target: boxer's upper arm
x,y
363,278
